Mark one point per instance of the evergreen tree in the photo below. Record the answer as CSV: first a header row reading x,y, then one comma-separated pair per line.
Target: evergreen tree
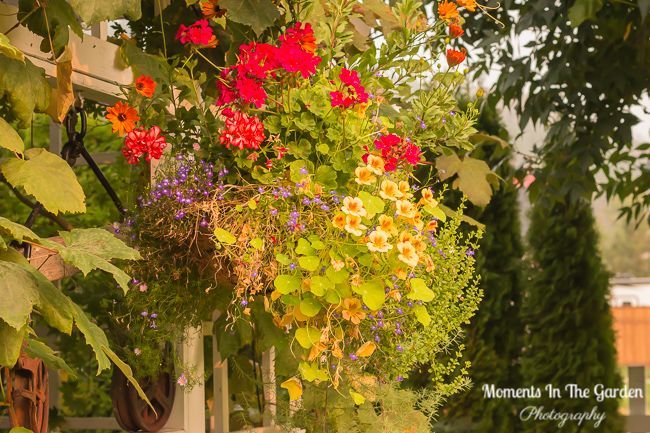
x,y
569,337
494,337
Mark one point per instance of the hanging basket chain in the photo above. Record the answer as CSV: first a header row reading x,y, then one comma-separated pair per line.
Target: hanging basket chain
x,y
75,148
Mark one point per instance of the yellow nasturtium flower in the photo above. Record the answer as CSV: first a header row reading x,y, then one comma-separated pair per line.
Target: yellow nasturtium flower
x,y
405,209
387,225
353,206
405,189
353,225
364,176
351,310
389,190
376,164
408,254
339,221
378,242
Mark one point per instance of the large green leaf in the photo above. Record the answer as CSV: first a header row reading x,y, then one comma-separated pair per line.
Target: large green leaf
x,y
9,138
145,64
94,11
9,50
124,368
48,178
36,349
90,249
53,19
12,340
18,294
25,88
583,10
259,14
20,430
94,336
52,304
473,181
17,231
372,293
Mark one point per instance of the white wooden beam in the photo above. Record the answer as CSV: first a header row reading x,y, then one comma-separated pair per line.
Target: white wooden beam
x,y
97,70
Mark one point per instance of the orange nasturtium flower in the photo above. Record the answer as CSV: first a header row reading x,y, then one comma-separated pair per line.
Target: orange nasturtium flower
x,y
211,9
352,310
455,57
470,5
145,85
447,11
123,117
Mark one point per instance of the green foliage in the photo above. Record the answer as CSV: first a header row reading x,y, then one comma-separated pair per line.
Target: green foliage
x,y
494,340
10,139
258,14
23,90
570,339
52,20
94,11
48,178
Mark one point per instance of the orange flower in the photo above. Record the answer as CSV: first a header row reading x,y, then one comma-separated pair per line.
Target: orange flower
x,y
455,57
456,31
211,9
145,85
123,117
470,5
447,11
352,310
339,221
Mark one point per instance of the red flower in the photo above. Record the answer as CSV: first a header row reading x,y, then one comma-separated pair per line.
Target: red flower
x,y
242,131
456,31
140,142
455,57
257,60
199,33
396,151
145,85
351,93
294,59
251,91
303,37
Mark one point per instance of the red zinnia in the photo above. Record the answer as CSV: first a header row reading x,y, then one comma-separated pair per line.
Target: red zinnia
x,y
242,131
456,31
145,85
351,93
140,142
455,57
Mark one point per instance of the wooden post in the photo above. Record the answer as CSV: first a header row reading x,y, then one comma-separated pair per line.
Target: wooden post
x,y
268,378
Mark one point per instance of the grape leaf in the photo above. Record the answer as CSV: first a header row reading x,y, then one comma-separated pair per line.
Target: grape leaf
x,y
52,304
18,294
145,64
583,10
473,181
259,14
17,231
9,138
36,349
25,87
54,18
9,50
48,178
94,11
94,336
447,165
12,341
90,249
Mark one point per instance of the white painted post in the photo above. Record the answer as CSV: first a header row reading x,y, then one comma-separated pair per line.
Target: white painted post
x,y
268,378
188,412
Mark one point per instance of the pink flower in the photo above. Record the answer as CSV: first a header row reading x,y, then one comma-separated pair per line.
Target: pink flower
x,y
257,60
199,33
352,91
182,380
294,59
242,131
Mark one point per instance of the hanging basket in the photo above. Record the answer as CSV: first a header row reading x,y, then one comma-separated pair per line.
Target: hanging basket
x,y
134,414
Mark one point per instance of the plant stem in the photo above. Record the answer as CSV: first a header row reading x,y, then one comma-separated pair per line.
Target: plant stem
x,y
162,28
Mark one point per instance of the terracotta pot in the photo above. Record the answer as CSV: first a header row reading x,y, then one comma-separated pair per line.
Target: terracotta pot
x,y
134,414
30,394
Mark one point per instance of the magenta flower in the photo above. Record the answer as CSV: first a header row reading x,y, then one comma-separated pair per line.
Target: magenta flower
x,y
199,33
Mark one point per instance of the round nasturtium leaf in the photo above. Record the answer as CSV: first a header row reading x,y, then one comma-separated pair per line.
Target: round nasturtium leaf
x,y
287,284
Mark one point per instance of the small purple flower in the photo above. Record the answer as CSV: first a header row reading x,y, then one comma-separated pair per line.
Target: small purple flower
x,y
377,339
144,314
244,302
292,266
353,357
400,378
153,315
304,171
400,311
469,252
182,380
203,223
399,348
274,212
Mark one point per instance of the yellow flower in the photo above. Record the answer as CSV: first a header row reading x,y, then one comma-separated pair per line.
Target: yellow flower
x,y
353,206
401,273
376,164
416,221
404,188
432,226
428,262
418,243
352,310
408,254
353,225
470,5
378,241
405,237
405,209
364,176
427,198
339,221
389,190
387,225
